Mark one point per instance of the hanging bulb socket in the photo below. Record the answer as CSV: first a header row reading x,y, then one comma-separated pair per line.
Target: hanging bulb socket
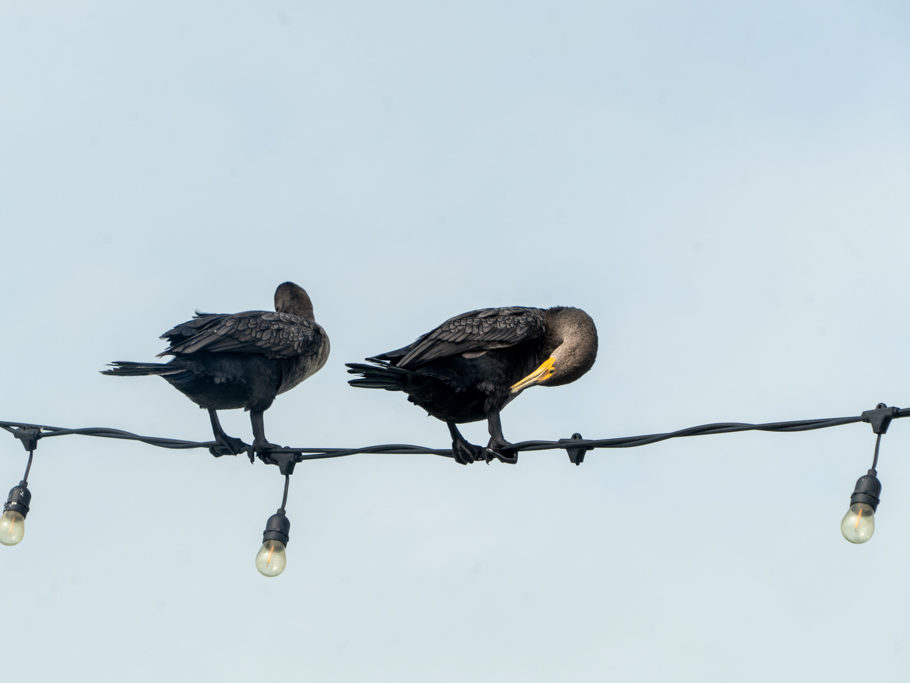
x,y
277,528
12,521
18,500
272,558
868,489
858,524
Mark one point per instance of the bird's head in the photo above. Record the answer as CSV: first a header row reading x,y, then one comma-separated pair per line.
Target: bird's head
x,y
291,298
572,340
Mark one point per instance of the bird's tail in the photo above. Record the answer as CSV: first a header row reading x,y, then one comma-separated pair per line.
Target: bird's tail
x,y
126,368
379,376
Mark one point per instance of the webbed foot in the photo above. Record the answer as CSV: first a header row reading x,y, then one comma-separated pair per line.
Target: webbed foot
x,y
465,453
227,445
263,446
500,449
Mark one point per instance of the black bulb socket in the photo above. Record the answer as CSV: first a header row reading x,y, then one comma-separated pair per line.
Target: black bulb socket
x,y
18,500
277,528
868,489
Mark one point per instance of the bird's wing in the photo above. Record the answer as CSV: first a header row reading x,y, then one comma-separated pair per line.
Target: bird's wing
x,y
475,331
271,334
183,331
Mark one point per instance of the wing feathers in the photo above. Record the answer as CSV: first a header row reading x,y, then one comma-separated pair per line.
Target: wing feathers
x,y
271,334
474,332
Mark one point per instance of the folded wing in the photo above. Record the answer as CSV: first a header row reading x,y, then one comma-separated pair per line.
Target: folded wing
x,y
266,333
473,332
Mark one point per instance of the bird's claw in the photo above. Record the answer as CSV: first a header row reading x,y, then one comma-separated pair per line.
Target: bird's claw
x,y
263,447
227,445
491,454
466,453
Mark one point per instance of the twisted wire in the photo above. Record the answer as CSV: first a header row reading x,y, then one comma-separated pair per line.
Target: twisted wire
x,y
315,453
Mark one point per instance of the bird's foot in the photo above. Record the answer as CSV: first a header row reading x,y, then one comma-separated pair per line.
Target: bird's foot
x,y
465,453
227,445
261,446
508,458
262,450
500,450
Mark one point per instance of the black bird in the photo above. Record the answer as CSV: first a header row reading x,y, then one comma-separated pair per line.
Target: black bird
x,y
241,360
472,365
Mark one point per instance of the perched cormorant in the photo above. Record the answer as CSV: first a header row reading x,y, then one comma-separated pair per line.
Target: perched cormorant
x,y
241,360
472,365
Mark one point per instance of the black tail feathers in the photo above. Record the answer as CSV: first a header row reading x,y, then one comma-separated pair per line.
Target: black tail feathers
x,y
379,376
126,368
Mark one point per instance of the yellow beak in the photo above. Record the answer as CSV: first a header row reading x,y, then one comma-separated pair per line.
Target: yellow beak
x,y
542,373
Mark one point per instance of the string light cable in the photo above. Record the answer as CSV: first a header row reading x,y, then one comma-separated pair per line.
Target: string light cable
x,y
857,525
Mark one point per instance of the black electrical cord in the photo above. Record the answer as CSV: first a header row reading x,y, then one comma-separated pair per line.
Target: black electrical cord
x,y
29,434
878,440
28,466
284,498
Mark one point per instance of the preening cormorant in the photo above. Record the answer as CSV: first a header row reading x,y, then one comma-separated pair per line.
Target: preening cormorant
x,y
472,365
241,360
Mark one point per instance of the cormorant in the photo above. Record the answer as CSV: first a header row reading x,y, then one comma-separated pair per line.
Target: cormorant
x,y
472,365
241,360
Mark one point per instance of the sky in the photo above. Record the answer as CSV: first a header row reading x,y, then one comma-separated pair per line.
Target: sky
x,y
724,187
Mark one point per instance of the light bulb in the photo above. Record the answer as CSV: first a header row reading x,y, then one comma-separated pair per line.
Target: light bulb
x,y
858,524
12,521
271,558
12,527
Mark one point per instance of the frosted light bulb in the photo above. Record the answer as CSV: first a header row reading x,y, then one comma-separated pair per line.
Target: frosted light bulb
x,y
858,524
271,558
12,527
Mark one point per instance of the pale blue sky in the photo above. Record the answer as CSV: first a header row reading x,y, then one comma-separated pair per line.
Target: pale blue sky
x,y
723,186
